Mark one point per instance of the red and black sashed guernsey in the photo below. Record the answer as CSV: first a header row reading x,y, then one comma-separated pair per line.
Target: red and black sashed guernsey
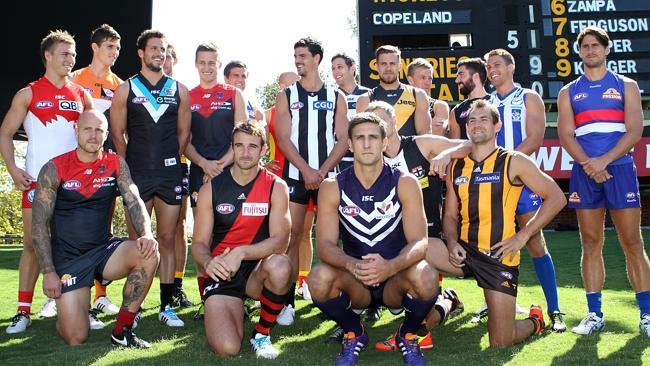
x,y
241,213
84,199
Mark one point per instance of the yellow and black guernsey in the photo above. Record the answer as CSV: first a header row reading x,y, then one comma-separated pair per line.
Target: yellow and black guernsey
x,y
403,100
487,201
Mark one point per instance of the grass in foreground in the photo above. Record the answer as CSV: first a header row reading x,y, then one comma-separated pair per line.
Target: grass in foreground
x,y
458,342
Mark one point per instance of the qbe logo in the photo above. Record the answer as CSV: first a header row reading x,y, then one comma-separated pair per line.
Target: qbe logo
x,y
70,105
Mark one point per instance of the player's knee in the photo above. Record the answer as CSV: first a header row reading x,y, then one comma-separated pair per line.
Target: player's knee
x,y
278,268
73,337
424,280
320,280
226,348
536,245
500,343
434,250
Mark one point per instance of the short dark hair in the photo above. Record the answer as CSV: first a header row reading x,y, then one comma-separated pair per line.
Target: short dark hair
x,y
600,34
104,33
482,103
505,55
52,39
416,64
234,64
365,117
250,127
474,65
313,45
206,47
387,49
145,36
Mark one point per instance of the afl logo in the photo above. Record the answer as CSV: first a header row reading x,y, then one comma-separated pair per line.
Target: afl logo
x,y
461,180
72,185
30,195
195,107
44,104
580,96
505,274
225,208
296,105
139,100
350,210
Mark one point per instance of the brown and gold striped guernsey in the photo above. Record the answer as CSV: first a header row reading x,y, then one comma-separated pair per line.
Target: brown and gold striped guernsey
x,y
487,201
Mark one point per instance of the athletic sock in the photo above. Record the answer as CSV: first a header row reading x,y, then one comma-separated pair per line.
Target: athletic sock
x,y
340,310
594,303
25,301
199,281
272,304
166,291
643,299
443,307
302,276
100,290
178,282
538,325
416,311
291,296
545,271
124,319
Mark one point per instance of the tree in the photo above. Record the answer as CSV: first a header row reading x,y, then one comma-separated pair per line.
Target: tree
x,y
11,222
267,93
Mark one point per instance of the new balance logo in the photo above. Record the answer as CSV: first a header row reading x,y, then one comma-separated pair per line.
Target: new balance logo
x,y
241,197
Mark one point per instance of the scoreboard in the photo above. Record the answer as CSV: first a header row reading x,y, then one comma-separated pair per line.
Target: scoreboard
x,y
541,35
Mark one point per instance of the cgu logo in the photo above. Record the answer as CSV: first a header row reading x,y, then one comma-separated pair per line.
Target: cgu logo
x,y
70,105
255,209
72,185
225,208
44,104
325,105
296,105
350,210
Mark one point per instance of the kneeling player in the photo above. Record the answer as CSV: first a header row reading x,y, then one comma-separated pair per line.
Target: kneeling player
x,y
479,223
72,237
384,233
241,229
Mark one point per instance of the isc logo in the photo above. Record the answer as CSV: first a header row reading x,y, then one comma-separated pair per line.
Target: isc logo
x,y
367,198
323,105
70,105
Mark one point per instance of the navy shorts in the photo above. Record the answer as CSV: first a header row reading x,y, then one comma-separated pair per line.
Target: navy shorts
x,y
168,187
619,192
185,181
299,194
83,270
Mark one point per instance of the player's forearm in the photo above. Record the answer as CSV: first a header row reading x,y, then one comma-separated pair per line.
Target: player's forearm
x,y
624,145
450,228
228,158
183,140
335,156
530,145
194,156
291,153
332,254
414,252
138,213
263,249
41,239
120,144
7,151
201,252
573,147
459,151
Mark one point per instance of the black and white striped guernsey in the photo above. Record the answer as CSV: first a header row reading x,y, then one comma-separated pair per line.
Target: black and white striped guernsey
x,y
312,125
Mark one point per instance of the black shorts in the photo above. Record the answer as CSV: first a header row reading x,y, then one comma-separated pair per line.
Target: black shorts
x,y
86,268
195,183
490,273
299,194
185,180
236,287
168,187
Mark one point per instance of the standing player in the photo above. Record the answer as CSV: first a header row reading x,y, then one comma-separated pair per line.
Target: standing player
x,y
599,121
215,108
419,74
153,110
98,79
411,104
344,72
524,122
72,236
179,298
241,230
311,130
48,109
479,223
470,78
379,213
236,74
276,157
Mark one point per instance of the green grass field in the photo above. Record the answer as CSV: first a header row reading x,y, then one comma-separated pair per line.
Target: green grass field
x,y
458,342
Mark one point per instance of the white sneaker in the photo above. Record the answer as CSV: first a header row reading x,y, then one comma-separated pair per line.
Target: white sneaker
x,y
480,314
105,305
286,316
136,320
95,323
263,347
303,291
591,323
19,323
644,325
169,317
48,310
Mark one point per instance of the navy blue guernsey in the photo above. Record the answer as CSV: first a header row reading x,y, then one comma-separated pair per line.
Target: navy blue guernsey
x,y
83,204
370,220
152,121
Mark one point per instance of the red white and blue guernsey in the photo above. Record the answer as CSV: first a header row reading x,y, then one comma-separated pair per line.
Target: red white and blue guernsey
x,y
512,109
599,118
370,220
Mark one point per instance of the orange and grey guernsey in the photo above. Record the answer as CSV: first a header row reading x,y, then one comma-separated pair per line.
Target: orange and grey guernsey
x,y
487,201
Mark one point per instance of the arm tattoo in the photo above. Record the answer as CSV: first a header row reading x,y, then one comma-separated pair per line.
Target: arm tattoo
x,y
42,212
135,287
136,208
